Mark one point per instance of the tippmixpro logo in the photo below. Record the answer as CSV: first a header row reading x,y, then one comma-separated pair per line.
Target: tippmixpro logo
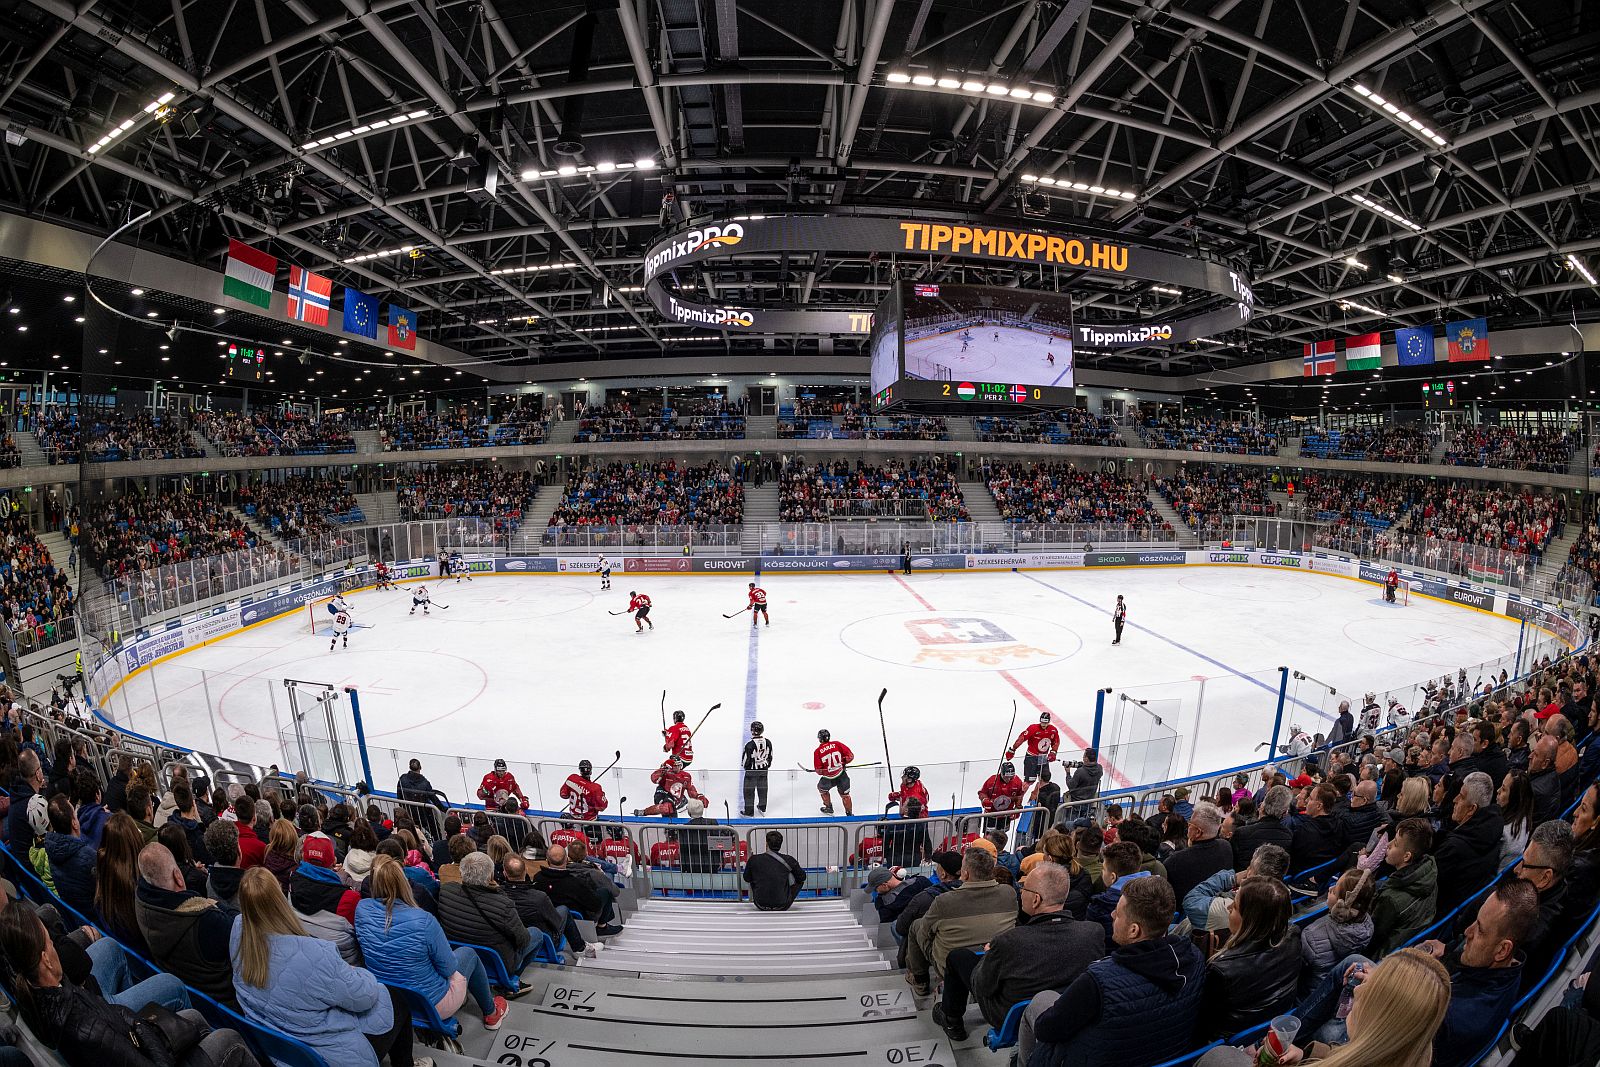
x,y
1281,561
701,316
725,236
1228,557
1149,333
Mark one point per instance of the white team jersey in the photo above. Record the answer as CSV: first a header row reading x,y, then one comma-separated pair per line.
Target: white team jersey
x,y
341,623
605,568
339,605
419,594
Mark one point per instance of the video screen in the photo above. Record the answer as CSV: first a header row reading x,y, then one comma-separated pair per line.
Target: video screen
x,y
959,333
884,344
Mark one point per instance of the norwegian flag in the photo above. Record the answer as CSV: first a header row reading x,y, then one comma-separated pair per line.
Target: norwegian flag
x,y
310,296
1319,359
1019,393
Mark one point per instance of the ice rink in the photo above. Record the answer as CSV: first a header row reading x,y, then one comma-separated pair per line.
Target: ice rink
x,y
1018,357
534,669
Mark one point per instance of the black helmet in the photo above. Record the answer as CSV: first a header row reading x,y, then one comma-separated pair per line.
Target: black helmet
x,y
912,774
632,593
1044,718
677,716
585,768
1007,769
499,764
823,735
752,585
756,728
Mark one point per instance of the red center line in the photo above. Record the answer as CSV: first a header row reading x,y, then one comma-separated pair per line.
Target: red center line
x,y
1076,738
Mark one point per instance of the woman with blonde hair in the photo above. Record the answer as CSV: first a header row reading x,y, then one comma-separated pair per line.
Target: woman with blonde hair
x,y
405,945
283,847
1398,1007
299,984
498,849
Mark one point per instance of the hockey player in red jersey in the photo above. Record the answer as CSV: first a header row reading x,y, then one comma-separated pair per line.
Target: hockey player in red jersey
x,y
674,787
585,799
829,761
758,604
911,788
665,853
1391,582
639,604
617,846
678,740
1001,793
499,784
567,835
1043,742
385,580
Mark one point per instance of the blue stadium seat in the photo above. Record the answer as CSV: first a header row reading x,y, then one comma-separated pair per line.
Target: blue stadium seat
x,y
1006,1036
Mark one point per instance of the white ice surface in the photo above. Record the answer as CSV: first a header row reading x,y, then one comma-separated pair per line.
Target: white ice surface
x,y
1018,358
534,669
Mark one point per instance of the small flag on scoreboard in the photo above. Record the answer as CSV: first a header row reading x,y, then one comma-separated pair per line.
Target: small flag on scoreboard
x,y
1319,359
1364,352
360,313
1019,394
1414,345
310,296
966,391
402,327
1468,340
249,275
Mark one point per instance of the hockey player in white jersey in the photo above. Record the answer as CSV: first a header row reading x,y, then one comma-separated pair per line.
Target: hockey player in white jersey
x,y
604,567
419,599
341,630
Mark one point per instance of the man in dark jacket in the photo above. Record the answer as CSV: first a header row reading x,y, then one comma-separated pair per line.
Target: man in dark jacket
x,y
71,858
1206,854
1486,972
29,780
566,887
1542,779
116,796
1406,902
474,911
1469,855
1357,822
535,908
1048,950
775,878
1344,727
441,847
1270,829
891,892
222,841
906,843
947,876
1317,835
695,852
1085,781
187,933
1140,1004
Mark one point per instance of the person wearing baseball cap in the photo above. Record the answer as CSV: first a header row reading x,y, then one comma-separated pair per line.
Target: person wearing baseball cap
x,y
325,905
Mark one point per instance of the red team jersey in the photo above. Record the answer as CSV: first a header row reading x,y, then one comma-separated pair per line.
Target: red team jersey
x,y
996,795
639,601
871,851
587,798
494,784
565,837
830,758
616,848
758,597
1042,741
680,742
914,791
676,784
664,854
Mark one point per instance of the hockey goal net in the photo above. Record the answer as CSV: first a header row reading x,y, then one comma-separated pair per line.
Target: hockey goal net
x,y
318,618
1402,593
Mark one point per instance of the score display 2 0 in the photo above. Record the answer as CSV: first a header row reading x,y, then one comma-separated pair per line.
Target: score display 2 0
x,y
994,392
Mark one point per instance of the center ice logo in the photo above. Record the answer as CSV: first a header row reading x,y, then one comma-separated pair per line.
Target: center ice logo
x,y
994,645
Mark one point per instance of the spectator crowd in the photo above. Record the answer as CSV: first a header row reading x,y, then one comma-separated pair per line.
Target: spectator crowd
x,y
1486,445
1061,493
300,505
922,489
274,433
1166,430
665,493
703,420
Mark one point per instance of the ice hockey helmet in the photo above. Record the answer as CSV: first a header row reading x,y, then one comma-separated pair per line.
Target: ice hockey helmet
x,y
823,735
912,774
1007,769
756,728
1044,718
677,716
585,768
499,764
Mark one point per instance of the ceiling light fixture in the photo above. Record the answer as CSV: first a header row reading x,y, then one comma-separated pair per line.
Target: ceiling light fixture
x,y
1384,210
970,86
397,119
363,257
1079,187
571,170
1353,305
1352,261
1403,117
1577,264
1167,289
532,268
156,108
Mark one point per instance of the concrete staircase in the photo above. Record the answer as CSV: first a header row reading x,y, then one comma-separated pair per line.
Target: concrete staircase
x,y
367,440
535,517
962,428
1437,455
199,441
379,507
760,508
1130,436
264,532
761,427
61,554
980,502
562,433
1290,448
1555,555
28,448
1186,536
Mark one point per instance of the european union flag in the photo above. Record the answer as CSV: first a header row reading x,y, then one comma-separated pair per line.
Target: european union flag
x,y
360,313
1414,345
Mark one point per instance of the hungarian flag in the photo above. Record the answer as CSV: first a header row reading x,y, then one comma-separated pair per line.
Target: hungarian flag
x,y
310,296
1468,340
1319,359
1364,352
402,327
250,274
966,391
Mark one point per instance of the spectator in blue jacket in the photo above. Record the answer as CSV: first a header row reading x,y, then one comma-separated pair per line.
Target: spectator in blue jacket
x,y
71,857
1119,865
92,814
29,780
299,985
1486,969
405,946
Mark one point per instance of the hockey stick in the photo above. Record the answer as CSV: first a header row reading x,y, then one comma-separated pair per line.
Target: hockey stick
x,y
726,812
613,763
703,719
847,766
663,711
1013,726
736,614
884,733
624,611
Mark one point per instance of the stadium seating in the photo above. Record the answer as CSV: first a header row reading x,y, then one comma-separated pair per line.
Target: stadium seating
x,y
919,490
